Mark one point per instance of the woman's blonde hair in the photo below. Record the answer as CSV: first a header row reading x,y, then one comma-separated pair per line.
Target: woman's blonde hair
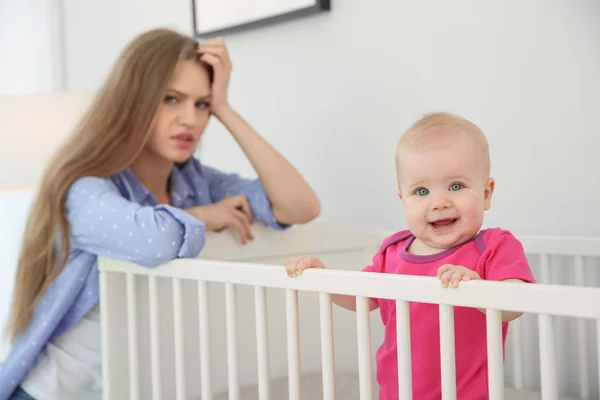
x,y
106,141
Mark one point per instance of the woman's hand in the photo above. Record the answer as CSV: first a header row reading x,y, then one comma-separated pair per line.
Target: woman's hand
x,y
214,52
292,199
231,212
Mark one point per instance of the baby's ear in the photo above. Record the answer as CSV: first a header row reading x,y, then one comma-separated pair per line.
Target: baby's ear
x,y
487,194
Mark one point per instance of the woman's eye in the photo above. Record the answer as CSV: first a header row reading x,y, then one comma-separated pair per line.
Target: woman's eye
x,y
456,186
422,192
203,105
170,99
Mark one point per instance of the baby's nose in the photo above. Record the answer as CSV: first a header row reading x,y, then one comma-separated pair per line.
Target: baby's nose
x,y
441,204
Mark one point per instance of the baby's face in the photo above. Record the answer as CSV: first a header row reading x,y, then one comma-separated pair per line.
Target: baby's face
x,y
445,190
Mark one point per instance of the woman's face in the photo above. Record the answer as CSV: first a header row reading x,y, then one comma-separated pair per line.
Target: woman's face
x,y
183,114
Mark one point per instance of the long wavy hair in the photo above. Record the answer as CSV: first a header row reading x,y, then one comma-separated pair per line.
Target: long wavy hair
x,y
107,139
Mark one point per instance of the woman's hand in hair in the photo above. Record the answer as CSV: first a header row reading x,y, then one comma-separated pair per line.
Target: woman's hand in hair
x,y
231,212
214,52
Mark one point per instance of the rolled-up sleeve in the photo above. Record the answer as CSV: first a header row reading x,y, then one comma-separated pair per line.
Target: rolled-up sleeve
x,y
223,185
105,223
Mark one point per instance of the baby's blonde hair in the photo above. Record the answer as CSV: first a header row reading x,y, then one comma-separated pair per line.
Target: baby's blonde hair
x,y
439,126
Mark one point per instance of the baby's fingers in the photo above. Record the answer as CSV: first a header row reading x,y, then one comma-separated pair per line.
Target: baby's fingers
x,y
295,266
456,278
447,275
310,262
291,265
443,269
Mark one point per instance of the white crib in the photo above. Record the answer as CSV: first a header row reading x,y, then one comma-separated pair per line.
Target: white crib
x,y
233,325
152,331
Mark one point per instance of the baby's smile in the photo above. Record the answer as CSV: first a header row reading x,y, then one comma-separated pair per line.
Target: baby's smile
x,y
443,224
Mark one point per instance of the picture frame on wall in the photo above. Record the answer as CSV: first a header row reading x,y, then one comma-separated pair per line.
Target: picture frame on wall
x,y
218,17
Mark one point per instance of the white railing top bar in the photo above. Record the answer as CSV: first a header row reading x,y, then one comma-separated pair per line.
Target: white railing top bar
x,y
561,246
570,301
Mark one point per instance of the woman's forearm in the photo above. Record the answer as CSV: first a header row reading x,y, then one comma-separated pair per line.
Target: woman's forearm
x,y
292,199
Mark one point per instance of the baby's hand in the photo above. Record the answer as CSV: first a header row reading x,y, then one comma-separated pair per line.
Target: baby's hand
x,y
453,274
295,265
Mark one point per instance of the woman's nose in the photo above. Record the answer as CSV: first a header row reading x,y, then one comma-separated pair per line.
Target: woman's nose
x,y
187,116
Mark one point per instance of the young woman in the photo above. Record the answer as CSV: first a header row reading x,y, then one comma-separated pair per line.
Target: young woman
x,y
126,185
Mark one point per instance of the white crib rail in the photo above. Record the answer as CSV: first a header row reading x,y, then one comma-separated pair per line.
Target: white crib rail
x,y
544,300
542,249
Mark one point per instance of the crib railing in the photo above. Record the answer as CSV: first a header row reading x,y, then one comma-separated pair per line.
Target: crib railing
x,y
541,299
580,260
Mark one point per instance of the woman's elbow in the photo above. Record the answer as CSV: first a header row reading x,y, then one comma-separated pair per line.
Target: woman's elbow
x,y
307,211
302,212
171,249
313,209
153,259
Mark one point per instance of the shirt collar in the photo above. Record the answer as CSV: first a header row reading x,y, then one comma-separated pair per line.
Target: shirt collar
x,y
181,189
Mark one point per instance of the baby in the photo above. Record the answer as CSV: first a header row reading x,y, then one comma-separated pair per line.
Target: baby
x,y
443,172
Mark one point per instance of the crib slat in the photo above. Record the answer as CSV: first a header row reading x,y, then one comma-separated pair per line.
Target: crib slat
x,y
364,347
448,362
546,336
105,326
178,338
598,345
517,338
583,354
403,349
545,268
132,335
327,360
494,350
154,338
584,373
232,353
204,340
547,358
293,343
260,304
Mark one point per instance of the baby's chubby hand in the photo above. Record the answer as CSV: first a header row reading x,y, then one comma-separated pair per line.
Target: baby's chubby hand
x,y
452,274
295,265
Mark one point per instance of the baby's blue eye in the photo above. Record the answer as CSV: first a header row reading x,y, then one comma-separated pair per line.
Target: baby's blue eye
x,y
455,187
422,192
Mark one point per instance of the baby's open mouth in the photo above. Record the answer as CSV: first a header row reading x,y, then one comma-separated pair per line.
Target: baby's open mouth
x,y
441,223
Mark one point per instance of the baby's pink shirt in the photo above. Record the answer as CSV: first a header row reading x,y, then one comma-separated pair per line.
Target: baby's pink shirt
x,y
495,254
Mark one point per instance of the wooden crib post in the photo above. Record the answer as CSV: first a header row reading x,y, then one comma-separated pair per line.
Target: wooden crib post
x,y
494,350
232,353
328,364
364,348
404,352
293,343
181,391
204,330
448,361
262,345
154,338
132,336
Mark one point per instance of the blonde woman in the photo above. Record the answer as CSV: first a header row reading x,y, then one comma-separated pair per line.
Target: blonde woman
x,y
126,185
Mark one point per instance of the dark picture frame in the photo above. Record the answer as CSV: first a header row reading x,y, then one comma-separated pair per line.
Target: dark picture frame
x,y
317,7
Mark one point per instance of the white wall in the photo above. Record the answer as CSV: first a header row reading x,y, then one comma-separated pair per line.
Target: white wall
x,y
15,207
30,44
335,92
